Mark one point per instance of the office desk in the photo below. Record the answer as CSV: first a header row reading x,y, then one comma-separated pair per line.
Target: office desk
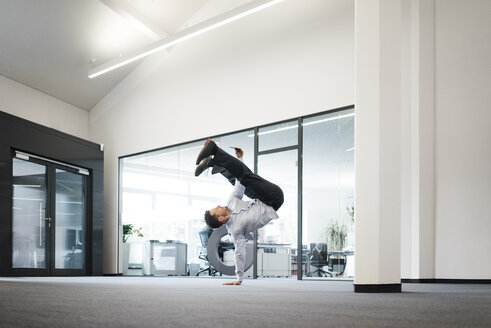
x,y
305,255
273,260
342,262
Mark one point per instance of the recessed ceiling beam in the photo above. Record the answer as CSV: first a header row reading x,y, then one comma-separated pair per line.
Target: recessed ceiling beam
x,y
138,22
183,35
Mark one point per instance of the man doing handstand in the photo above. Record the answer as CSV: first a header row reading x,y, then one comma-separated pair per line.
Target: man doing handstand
x,y
240,217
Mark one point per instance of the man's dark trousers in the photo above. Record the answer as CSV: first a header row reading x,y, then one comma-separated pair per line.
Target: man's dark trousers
x,y
255,186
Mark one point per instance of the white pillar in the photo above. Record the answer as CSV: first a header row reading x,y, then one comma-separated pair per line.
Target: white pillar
x,y
417,233
377,145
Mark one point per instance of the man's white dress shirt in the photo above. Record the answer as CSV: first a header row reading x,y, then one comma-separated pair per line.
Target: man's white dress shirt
x,y
246,216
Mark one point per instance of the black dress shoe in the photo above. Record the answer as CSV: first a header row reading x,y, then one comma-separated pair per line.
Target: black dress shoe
x,y
203,166
208,149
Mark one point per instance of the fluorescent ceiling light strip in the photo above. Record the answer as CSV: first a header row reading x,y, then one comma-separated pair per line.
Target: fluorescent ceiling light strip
x,y
183,35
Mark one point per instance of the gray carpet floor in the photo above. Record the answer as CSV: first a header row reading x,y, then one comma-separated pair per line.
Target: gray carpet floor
x,y
204,302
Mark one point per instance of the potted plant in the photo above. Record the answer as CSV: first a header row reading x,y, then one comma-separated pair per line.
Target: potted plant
x,y
335,234
128,230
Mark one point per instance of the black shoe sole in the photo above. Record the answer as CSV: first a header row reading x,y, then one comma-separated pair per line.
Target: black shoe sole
x,y
205,151
205,164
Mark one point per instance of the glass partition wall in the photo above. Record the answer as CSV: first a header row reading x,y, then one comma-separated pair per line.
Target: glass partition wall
x,y
327,195
161,196
310,158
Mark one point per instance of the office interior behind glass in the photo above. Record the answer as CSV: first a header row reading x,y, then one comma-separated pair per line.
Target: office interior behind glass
x,y
310,158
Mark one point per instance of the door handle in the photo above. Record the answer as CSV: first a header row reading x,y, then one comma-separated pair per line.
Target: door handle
x,y
49,221
41,224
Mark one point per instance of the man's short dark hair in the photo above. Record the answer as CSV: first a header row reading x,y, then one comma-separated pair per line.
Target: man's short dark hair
x,y
212,220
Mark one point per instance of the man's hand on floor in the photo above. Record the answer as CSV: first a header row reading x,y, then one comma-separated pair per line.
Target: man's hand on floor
x,y
234,283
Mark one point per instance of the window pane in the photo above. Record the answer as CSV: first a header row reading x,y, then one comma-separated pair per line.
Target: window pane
x,y
277,239
28,215
70,225
279,135
281,169
328,190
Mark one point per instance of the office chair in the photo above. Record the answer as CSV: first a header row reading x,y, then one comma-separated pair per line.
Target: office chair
x,y
319,258
204,235
336,263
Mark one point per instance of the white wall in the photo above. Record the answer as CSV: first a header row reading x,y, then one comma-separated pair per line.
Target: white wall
x,y
462,139
27,103
289,60
446,173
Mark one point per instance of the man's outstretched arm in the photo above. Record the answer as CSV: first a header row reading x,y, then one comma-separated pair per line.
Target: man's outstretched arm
x,y
240,256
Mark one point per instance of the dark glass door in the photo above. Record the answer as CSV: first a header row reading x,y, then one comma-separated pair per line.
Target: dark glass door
x,y
49,218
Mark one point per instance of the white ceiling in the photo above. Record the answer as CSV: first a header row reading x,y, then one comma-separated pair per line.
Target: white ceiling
x,y
49,45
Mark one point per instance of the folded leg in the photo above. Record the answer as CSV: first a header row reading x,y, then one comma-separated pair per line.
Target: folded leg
x,y
256,186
